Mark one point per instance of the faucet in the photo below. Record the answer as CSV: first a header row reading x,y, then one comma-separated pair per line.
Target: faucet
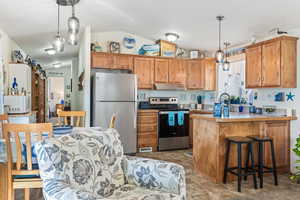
x,y
224,94
223,101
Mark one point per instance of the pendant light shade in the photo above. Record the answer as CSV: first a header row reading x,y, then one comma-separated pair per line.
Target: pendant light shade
x,y
226,64
219,53
73,23
59,41
73,39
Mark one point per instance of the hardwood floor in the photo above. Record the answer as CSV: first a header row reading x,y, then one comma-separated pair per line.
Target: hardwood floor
x,y
200,188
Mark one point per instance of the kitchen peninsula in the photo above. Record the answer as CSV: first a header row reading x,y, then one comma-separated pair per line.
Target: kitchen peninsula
x,y
209,141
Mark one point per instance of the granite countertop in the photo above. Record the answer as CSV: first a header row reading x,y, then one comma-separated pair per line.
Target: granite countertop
x,y
238,117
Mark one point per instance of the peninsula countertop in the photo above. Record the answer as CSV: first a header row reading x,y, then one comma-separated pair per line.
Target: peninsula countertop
x,y
240,117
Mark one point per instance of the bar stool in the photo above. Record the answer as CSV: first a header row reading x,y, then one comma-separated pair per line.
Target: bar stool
x,y
239,141
261,140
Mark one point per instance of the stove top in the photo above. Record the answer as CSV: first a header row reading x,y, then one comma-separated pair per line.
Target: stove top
x,y
161,107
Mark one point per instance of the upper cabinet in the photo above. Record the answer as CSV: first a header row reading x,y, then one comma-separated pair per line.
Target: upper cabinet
x,y
111,61
272,63
253,67
195,74
161,70
177,71
210,73
144,69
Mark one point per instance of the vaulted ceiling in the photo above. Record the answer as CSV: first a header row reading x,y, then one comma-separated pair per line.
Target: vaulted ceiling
x,y
32,23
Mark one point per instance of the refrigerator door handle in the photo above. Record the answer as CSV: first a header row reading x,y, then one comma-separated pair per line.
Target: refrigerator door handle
x,y
135,114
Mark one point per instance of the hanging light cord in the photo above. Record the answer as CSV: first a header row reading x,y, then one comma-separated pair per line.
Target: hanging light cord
x,y
220,33
58,16
73,10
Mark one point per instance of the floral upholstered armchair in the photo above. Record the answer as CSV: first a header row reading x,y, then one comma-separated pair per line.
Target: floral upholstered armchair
x,y
90,165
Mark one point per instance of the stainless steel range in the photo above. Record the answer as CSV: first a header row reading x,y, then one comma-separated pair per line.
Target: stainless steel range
x,y
173,122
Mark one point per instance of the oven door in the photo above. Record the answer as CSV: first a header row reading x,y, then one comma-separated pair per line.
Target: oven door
x,y
167,131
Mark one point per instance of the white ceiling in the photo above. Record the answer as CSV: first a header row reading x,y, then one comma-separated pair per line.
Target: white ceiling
x,y
32,23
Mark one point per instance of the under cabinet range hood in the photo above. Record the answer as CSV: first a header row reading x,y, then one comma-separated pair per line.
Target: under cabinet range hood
x,y
169,86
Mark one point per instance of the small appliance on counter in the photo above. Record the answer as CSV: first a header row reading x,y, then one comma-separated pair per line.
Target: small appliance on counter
x,y
17,104
173,122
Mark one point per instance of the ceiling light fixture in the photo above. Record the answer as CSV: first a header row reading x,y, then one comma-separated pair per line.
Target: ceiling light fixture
x,y
50,51
219,53
73,39
59,41
73,22
57,65
172,37
226,64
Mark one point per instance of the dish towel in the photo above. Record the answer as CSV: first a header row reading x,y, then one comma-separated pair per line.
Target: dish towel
x,y
180,118
171,118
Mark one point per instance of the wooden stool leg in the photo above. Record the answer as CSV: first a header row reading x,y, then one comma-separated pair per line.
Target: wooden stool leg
x,y
26,194
226,162
239,167
261,163
274,163
252,164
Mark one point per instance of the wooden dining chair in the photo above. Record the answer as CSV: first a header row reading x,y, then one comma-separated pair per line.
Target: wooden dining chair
x,y
3,119
112,121
72,115
23,174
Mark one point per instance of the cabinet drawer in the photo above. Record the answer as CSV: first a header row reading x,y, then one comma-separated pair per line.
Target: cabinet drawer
x,y
147,140
147,128
147,119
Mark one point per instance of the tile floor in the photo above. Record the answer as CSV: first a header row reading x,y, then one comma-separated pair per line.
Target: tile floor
x,y
200,188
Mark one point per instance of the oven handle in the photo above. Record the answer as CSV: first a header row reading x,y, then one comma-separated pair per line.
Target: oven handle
x,y
167,112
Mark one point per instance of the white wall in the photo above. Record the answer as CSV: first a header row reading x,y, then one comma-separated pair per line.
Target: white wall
x,y
84,99
118,36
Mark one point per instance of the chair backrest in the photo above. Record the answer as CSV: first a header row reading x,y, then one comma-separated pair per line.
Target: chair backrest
x,y
112,121
3,119
87,159
17,132
72,115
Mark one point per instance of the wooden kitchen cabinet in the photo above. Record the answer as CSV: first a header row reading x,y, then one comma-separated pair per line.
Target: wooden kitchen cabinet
x,y
253,67
177,71
280,132
210,74
102,60
144,69
195,74
123,62
272,63
161,70
147,135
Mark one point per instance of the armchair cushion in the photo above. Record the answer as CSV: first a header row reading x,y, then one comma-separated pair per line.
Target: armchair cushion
x,y
155,175
88,160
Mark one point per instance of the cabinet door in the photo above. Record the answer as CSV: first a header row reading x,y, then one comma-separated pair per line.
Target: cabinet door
x,y
144,69
253,67
161,71
210,74
177,71
280,132
102,60
195,78
123,62
271,64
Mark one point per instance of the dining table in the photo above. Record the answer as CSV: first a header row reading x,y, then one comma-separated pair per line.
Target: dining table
x,y
3,154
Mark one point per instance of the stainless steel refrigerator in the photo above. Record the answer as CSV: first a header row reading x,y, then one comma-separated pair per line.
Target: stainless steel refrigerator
x,y
116,93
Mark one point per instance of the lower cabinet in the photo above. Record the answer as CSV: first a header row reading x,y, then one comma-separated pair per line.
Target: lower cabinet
x,y
147,135
280,132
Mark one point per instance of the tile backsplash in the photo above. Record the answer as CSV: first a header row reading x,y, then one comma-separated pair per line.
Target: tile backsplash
x,y
184,97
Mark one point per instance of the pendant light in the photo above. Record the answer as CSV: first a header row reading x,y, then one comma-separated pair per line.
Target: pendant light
x,y
59,41
73,39
73,23
219,53
226,64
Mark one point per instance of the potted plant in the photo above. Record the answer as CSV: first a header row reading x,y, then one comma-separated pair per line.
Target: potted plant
x,y
296,177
